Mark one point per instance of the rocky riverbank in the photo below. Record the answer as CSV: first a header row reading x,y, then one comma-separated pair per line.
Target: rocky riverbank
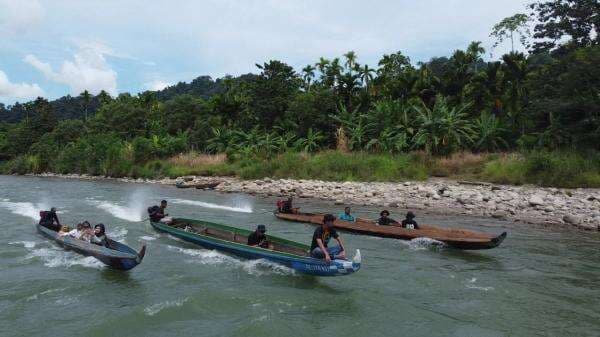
x,y
577,208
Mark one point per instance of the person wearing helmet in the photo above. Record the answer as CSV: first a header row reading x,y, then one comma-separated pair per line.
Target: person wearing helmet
x,y
409,222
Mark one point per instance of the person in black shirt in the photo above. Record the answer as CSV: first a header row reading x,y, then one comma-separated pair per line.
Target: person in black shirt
x,y
49,219
258,238
319,247
385,219
156,213
409,222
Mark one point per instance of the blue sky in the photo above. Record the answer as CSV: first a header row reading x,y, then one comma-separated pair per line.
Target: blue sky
x,y
54,48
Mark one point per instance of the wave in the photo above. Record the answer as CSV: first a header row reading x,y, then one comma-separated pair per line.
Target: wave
x,y
26,209
53,257
121,212
252,267
156,308
423,244
471,285
240,209
26,244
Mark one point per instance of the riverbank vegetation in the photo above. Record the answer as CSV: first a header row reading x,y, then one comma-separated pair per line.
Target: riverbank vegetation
x,y
338,119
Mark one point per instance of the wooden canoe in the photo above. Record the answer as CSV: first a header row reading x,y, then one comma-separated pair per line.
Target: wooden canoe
x,y
456,238
118,256
234,240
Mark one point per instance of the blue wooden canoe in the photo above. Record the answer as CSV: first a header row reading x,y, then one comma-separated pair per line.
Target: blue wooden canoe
x,y
234,241
118,256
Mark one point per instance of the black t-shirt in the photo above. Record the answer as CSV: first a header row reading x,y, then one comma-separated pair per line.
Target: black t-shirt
x,y
255,239
323,235
411,224
386,221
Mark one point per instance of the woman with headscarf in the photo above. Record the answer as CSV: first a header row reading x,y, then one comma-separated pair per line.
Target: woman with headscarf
x,y
99,238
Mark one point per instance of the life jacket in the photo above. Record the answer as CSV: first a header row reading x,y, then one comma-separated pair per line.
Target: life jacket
x,y
153,209
43,215
280,204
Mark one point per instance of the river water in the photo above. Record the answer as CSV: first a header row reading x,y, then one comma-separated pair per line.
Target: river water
x,y
540,282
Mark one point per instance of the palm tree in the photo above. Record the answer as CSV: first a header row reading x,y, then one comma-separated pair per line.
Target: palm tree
x,y
350,60
366,75
322,66
474,52
308,73
86,96
104,97
516,69
442,128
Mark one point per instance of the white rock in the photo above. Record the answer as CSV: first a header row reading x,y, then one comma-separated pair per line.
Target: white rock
x,y
536,200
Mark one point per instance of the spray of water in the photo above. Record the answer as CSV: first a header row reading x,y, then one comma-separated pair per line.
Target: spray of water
x,y
26,209
132,211
241,207
252,267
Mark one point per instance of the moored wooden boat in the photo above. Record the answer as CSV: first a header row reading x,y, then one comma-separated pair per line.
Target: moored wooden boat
x,y
456,238
118,256
233,240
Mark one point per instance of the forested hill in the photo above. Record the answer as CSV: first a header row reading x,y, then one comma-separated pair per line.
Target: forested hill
x,y
69,107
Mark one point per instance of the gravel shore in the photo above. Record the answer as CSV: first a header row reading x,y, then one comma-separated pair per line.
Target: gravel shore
x,y
576,208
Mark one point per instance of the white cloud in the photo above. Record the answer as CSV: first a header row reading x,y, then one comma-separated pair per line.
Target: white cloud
x,y
17,17
87,71
157,85
17,91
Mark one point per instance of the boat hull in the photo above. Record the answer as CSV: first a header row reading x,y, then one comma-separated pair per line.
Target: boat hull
x,y
455,238
121,257
301,264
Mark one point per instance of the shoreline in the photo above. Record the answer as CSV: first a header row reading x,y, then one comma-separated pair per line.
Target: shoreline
x,y
574,208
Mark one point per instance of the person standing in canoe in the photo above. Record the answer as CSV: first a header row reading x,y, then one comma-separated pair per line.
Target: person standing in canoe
x,y
49,219
409,222
157,213
385,219
319,247
346,216
286,206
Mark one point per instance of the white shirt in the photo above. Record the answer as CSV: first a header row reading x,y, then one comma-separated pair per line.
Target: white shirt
x,y
75,233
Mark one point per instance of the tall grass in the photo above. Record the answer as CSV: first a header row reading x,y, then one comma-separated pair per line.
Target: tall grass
x,y
556,169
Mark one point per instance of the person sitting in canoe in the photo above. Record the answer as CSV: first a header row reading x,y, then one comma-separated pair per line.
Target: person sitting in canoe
x,y
76,232
409,222
385,219
49,219
258,238
99,238
157,213
319,247
346,216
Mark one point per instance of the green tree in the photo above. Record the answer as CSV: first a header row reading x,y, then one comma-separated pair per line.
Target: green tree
x,y
442,129
509,27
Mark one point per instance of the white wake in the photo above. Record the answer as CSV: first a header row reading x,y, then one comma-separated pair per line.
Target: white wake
x,y
240,208
26,209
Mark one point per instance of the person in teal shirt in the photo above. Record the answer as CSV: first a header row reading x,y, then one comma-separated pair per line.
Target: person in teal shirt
x,y
346,216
